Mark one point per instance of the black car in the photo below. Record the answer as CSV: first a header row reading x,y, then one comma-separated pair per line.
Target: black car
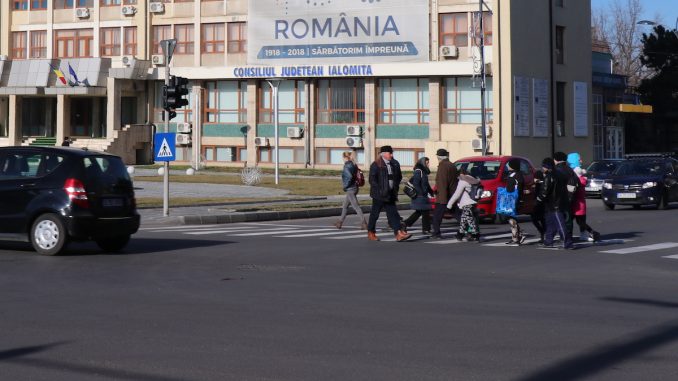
x,y
642,181
596,173
50,196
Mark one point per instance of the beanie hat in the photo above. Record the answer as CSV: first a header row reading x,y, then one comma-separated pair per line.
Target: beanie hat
x,y
388,149
548,163
573,160
559,156
514,164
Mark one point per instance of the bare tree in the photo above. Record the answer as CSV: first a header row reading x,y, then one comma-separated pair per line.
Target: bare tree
x,y
617,26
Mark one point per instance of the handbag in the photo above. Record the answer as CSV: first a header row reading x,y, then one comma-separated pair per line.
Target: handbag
x,y
506,202
409,188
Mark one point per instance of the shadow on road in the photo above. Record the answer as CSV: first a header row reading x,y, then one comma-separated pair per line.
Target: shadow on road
x,y
139,246
645,302
11,354
598,359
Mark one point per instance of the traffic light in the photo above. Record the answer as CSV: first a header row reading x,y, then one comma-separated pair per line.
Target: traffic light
x,y
173,95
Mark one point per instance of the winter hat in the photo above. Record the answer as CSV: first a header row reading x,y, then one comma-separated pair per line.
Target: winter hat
x,y
574,160
442,152
514,164
388,149
548,163
559,156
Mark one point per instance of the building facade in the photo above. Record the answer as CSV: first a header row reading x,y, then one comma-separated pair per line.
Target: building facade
x,y
357,75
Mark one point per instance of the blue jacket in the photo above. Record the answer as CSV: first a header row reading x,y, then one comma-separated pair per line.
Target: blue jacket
x,y
348,175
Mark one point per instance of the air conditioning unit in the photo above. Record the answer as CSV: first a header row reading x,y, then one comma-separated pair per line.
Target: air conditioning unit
x,y
156,7
127,60
261,142
182,140
129,10
354,141
477,144
184,128
294,132
158,59
82,13
479,131
354,130
449,51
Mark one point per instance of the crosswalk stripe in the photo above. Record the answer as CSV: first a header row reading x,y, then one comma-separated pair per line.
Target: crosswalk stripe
x,y
640,249
276,232
502,244
182,227
226,231
309,233
675,256
206,230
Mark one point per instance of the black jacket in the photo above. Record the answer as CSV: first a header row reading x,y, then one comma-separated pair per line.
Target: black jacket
x,y
553,193
571,179
516,181
379,189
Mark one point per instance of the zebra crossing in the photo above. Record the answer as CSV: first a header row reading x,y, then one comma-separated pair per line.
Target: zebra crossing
x,y
299,231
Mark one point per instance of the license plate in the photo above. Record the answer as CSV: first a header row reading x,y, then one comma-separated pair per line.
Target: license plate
x,y
626,195
112,202
590,189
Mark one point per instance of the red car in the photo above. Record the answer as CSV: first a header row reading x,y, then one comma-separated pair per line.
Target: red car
x,y
492,172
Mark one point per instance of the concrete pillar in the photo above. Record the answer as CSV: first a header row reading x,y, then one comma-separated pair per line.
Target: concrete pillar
x,y
113,106
197,125
4,117
309,126
63,117
434,132
370,133
252,106
14,130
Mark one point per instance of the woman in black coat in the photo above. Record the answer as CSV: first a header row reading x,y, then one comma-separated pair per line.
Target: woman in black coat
x,y
421,204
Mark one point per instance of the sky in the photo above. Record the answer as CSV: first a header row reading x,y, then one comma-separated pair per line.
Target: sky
x,y
666,10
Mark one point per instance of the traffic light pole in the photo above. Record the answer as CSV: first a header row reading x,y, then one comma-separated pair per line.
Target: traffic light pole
x,y
168,50
275,83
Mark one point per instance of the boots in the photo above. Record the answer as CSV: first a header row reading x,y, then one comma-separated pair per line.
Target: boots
x,y
459,236
372,236
474,238
363,225
338,224
402,236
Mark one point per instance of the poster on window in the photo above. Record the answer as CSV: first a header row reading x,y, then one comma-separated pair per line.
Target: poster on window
x,y
581,109
540,108
349,31
521,106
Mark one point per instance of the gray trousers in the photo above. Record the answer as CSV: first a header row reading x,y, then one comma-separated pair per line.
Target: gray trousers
x,y
353,200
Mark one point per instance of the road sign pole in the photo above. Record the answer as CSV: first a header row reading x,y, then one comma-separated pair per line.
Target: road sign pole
x,y
168,50
275,84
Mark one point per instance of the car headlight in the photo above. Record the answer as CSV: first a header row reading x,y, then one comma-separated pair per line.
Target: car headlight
x,y
649,184
486,194
607,185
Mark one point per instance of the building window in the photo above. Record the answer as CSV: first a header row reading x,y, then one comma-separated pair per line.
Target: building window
x,y
461,100
226,102
403,101
20,5
334,155
110,42
237,37
341,101
185,36
454,29
160,32
18,45
109,3
39,44
212,38
290,102
69,4
287,155
487,27
560,108
224,154
184,114
560,44
130,40
38,5
74,43
407,157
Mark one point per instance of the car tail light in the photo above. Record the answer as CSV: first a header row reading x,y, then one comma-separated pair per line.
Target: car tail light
x,y
76,192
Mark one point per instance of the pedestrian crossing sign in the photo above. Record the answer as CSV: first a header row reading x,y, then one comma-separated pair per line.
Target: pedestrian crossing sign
x,y
164,146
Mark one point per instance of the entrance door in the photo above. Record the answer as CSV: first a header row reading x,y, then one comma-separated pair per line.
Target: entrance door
x,y
38,117
81,116
614,148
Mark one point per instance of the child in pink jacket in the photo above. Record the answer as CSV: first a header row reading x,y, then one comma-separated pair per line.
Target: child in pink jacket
x,y
579,210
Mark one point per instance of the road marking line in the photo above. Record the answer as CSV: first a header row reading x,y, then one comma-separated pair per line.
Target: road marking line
x,y
640,249
297,226
674,256
311,234
178,227
221,231
274,233
204,230
502,244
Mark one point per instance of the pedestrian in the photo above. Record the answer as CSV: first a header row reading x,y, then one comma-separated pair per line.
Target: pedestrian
x,y
572,183
421,204
553,196
465,195
537,214
385,177
446,184
515,182
350,187
66,142
586,233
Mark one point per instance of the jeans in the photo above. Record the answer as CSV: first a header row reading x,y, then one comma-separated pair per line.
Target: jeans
x,y
353,200
555,223
438,214
391,214
425,219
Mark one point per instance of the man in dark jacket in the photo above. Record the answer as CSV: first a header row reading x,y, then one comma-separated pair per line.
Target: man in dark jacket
x,y
515,182
572,183
446,183
553,196
385,177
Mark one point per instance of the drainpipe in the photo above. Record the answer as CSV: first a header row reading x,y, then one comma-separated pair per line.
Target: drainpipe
x,y
553,87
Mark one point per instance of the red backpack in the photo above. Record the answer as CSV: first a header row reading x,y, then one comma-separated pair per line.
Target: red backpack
x,y
359,177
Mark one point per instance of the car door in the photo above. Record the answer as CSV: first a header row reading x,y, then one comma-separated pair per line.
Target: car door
x,y
671,181
17,188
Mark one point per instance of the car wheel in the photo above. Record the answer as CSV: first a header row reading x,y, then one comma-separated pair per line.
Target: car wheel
x,y
113,244
609,206
48,235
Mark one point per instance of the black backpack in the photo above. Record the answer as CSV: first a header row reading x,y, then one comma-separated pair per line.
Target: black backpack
x,y
476,192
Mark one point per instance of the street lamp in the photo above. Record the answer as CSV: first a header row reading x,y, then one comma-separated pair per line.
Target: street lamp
x,y
483,122
275,84
654,23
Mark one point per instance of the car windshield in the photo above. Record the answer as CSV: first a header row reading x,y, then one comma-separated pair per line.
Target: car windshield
x,y
640,168
483,170
602,166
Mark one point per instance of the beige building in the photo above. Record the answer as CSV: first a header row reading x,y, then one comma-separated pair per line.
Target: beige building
x,y
389,72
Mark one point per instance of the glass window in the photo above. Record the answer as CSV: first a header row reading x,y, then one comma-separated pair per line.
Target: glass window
x,y
403,101
225,102
130,36
20,5
454,29
74,43
335,156
160,32
290,102
237,37
461,103
487,27
22,164
560,44
19,45
110,42
37,5
212,38
341,101
39,44
184,35
69,4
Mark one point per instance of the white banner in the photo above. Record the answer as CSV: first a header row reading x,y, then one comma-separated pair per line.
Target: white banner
x,y
581,109
347,31
540,108
521,106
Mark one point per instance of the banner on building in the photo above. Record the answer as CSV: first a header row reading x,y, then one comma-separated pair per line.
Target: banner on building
x,y
540,108
348,31
521,106
581,109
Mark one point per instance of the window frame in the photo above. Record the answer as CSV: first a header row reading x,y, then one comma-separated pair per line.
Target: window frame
x,y
167,34
106,47
265,115
297,157
19,52
129,48
458,111
42,49
42,5
391,111
329,110
242,102
20,5
218,46
187,46
453,34
75,39
238,154
240,42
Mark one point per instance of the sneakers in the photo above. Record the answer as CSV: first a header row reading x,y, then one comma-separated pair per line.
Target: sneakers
x,y
436,236
595,237
372,236
474,238
584,236
402,236
522,239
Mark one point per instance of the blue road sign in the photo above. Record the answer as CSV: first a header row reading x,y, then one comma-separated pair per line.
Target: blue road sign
x,y
164,146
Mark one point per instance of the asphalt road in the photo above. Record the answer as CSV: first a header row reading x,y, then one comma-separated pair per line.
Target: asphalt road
x,y
270,301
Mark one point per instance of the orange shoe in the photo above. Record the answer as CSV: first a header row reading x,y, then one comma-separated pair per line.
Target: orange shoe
x,y
372,236
402,236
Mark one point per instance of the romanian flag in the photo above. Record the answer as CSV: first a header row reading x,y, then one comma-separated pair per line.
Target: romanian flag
x,y
59,74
